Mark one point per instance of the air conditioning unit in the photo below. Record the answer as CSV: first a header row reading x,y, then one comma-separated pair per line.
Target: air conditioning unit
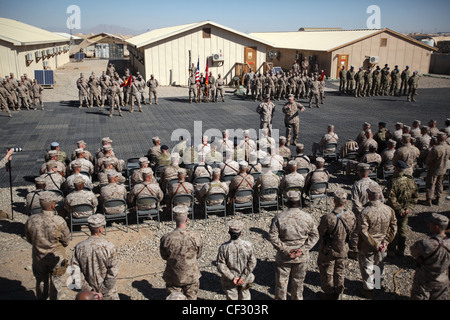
x,y
373,59
49,52
274,54
38,54
217,57
29,57
45,64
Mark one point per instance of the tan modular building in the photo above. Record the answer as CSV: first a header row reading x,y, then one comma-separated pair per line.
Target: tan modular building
x,y
168,53
24,49
102,46
361,48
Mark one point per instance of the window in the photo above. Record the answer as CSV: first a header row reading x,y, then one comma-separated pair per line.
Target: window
x,y
383,42
206,33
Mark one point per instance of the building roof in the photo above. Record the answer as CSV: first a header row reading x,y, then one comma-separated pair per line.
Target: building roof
x,y
68,35
324,40
163,33
22,34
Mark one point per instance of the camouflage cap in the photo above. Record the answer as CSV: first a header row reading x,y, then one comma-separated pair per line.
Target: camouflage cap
x,y
80,151
283,138
300,146
96,220
182,171
340,194
406,136
143,160
107,140
243,164
78,180
147,171
320,160
180,211
246,133
176,296
438,219
107,148
112,174
363,166
399,124
47,197
392,142
235,226
52,153
80,142
216,171
52,164
107,162
293,195
374,189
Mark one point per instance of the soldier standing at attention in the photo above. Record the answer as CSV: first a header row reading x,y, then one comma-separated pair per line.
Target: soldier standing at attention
x,y
402,196
192,88
359,80
211,88
351,80
376,82
395,82
98,260
135,95
413,83
291,119
406,74
152,84
334,230
236,262
248,81
37,94
94,92
292,233
266,111
49,235
385,80
220,86
181,249
342,79
114,92
377,226
83,93
431,280
367,83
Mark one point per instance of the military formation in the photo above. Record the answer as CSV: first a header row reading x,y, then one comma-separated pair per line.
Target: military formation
x,y
116,91
378,81
16,94
368,224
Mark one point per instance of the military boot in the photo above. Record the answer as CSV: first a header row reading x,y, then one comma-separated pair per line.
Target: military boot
x,y
131,110
140,109
436,201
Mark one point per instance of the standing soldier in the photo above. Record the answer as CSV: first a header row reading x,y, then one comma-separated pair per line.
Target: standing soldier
x,y
98,261
37,94
114,92
367,83
402,196
141,85
314,85
359,79
152,84
305,65
49,235
266,111
413,83
220,87
376,82
22,95
236,262
258,83
11,88
83,93
94,91
395,82
431,280
291,119
192,84
212,88
248,81
135,95
321,87
5,98
436,163
385,80
202,88
406,74
282,83
377,226
181,249
334,230
105,84
127,90
270,85
350,80
292,233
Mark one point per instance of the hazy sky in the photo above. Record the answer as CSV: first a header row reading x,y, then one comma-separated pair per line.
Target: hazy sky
x,y
245,16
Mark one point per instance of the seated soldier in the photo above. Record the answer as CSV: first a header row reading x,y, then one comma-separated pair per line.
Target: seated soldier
x,y
253,164
108,154
247,145
276,161
154,152
243,180
76,167
204,147
108,166
387,155
330,137
190,156
222,145
53,156
146,188
320,174
302,159
164,159
137,176
80,196
292,178
215,186
267,180
180,187
201,169
284,151
82,145
86,165
371,156
229,166
100,152
53,180
32,199
111,191
170,172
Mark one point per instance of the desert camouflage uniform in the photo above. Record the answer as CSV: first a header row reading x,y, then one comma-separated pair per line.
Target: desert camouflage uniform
x,y
146,189
293,179
408,154
333,252
53,181
213,187
49,235
70,179
99,265
113,191
236,258
179,188
292,229
267,180
181,249
291,120
240,182
318,175
431,279
103,177
80,197
137,177
436,168
376,224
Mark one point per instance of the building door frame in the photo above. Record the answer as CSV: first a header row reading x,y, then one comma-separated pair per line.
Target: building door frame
x,y
342,61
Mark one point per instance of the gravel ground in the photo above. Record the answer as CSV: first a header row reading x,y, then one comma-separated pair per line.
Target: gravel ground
x,y
141,267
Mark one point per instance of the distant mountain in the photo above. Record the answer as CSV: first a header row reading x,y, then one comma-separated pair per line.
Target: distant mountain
x,y
107,28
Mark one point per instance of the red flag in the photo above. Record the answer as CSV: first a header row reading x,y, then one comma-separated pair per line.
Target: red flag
x,y
127,82
322,76
207,71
